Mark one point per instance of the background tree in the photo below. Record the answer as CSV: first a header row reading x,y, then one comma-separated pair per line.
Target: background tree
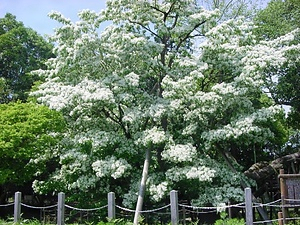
x,y
282,83
164,78
27,131
231,9
21,51
278,18
271,25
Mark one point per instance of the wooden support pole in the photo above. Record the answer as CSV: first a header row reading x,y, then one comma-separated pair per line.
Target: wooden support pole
x,y
280,218
283,192
183,215
17,207
229,210
111,208
174,207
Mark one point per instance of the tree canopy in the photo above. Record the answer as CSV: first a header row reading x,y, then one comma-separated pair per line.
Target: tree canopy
x,y
277,19
168,78
21,51
27,131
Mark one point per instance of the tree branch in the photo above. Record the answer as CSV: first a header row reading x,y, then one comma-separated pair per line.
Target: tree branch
x,y
146,28
188,34
117,120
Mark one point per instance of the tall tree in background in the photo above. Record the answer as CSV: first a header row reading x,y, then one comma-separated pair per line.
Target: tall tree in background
x,y
165,79
277,19
21,51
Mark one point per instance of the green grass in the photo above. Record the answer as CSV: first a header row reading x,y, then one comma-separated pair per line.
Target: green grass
x,y
37,222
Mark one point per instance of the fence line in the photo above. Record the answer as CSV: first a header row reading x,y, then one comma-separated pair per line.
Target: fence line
x,y
267,204
239,205
267,221
85,210
248,205
8,204
143,211
206,212
39,207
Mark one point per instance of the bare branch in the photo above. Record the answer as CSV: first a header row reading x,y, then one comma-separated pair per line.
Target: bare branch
x,y
175,21
170,9
117,120
157,9
188,34
146,28
197,35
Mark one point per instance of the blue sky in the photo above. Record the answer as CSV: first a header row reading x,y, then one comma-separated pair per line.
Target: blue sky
x,y
33,13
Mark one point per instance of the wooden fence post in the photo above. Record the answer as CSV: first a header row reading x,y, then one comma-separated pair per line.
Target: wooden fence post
x,y
280,218
174,207
17,207
248,204
61,209
111,207
283,191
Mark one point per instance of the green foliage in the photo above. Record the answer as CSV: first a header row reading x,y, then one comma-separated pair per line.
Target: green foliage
x,y
224,220
115,221
22,50
277,19
37,222
27,130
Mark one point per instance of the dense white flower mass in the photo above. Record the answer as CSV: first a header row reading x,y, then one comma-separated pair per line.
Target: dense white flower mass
x,y
202,173
179,84
152,136
111,166
180,153
159,191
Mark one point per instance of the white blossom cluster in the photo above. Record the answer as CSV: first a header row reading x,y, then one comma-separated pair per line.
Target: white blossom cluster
x,y
201,173
244,126
111,166
152,136
61,96
159,191
180,153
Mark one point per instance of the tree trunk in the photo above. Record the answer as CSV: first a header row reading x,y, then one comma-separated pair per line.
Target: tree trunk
x,y
139,204
262,170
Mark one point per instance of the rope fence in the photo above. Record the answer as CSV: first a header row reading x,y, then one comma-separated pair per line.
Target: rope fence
x,y
170,211
143,211
85,210
39,207
6,205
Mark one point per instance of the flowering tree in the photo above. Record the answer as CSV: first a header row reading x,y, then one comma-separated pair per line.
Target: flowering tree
x,y
164,78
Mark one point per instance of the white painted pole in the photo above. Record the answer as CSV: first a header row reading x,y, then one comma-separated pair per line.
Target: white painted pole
x,y
139,204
